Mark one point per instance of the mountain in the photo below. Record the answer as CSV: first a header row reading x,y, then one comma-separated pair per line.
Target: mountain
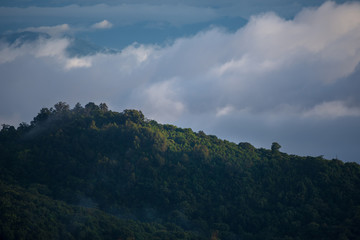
x,y
80,48
77,47
92,173
17,39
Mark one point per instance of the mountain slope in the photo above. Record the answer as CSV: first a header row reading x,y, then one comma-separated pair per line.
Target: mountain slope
x,y
133,168
27,214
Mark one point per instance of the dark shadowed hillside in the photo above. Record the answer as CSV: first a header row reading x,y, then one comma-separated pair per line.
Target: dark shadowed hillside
x,y
91,173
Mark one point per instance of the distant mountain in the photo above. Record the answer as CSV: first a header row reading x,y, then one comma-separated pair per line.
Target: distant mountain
x,y
19,38
91,173
77,47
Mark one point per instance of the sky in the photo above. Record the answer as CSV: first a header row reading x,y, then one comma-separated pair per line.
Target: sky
x,y
255,71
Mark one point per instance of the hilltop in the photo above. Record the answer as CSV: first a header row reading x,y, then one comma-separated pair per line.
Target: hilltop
x,y
92,173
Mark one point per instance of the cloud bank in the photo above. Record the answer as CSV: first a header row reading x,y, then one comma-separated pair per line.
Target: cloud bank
x,y
293,81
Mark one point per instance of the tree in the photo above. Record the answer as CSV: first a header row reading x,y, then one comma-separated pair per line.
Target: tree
x,y
78,108
246,146
61,107
42,116
91,107
103,107
23,126
5,127
134,115
275,147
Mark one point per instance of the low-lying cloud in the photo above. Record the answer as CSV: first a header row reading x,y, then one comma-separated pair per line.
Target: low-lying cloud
x,y
56,31
272,80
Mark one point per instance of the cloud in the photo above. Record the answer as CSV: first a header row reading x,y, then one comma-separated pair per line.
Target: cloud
x,y
160,100
333,109
53,49
224,111
105,24
76,62
272,80
57,30
40,48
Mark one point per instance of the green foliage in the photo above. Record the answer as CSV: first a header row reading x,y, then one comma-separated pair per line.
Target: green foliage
x,y
275,147
27,214
127,177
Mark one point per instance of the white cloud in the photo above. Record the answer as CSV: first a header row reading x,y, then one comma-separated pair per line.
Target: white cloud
x,y
333,109
260,67
105,24
54,48
50,48
41,48
76,62
8,54
160,101
224,111
57,30
139,53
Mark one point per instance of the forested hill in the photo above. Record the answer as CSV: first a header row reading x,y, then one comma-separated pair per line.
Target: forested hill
x,y
91,173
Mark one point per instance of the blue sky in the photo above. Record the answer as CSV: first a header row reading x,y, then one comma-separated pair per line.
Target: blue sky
x,y
246,71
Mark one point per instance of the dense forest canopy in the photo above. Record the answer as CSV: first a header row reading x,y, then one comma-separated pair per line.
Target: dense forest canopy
x,y
92,173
